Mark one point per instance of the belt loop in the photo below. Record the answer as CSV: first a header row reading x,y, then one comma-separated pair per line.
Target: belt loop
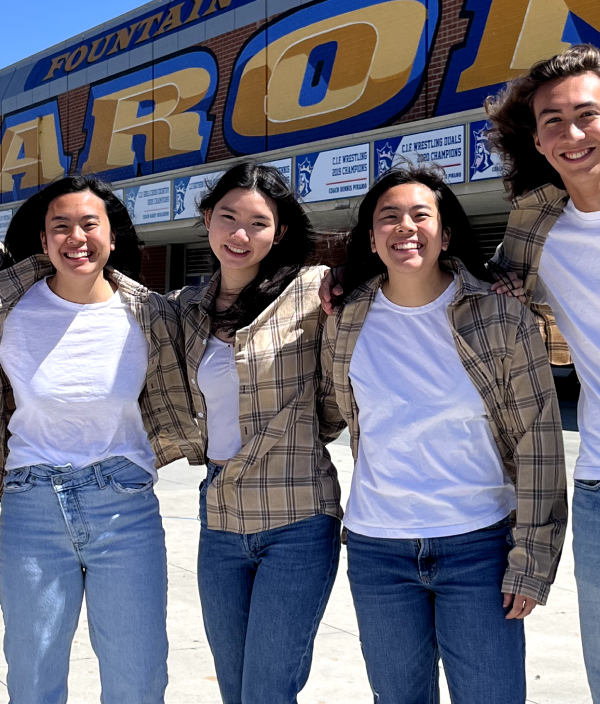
x,y
99,476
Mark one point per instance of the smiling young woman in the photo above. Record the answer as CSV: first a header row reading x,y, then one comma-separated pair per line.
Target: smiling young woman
x,y
459,428
270,504
81,440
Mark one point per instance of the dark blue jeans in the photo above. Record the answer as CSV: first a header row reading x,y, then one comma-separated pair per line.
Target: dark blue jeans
x,y
419,600
263,596
586,549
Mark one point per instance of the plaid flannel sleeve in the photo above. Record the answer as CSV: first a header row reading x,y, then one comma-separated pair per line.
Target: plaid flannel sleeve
x,y
331,422
541,516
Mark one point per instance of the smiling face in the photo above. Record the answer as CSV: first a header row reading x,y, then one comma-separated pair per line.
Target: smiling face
x,y
77,235
407,230
567,113
242,228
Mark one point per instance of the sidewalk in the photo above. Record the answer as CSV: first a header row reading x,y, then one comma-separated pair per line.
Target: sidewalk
x,y
554,664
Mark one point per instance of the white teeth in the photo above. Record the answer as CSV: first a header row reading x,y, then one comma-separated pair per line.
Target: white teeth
x,y
406,245
77,255
237,251
576,155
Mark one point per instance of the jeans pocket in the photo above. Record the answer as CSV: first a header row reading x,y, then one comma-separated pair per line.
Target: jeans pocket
x,y
587,484
18,481
131,479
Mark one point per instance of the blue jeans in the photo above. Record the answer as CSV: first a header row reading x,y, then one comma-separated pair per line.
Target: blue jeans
x,y
586,550
419,600
263,596
97,531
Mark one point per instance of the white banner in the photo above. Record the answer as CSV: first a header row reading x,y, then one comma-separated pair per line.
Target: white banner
x,y
148,204
187,191
284,166
444,147
337,173
120,194
5,218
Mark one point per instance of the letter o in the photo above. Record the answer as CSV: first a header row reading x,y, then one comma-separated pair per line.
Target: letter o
x,y
76,57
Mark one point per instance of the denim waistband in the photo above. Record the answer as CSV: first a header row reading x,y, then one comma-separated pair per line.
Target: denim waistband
x,y
69,478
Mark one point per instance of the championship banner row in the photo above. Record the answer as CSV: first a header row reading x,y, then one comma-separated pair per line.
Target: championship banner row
x,y
322,176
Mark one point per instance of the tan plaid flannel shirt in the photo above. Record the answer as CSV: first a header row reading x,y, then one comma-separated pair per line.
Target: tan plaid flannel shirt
x,y
531,219
501,349
165,401
283,473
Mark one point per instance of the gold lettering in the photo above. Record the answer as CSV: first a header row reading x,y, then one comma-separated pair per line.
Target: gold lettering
x,y
76,57
520,32
217,5
57,63
95,53
195,13
172,20
31,149
169,129
124,36
147,24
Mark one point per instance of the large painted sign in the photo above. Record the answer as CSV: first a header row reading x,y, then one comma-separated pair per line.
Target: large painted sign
x,y
328,69
483,162
137,32
31,151
505,38
151,120
337,173
149,204
444,147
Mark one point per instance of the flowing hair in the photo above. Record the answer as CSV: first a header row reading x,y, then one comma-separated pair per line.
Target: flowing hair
x,y
283,263
23,235
513,119
364,264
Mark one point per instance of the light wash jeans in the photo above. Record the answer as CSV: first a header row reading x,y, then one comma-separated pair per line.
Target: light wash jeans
x,y
263,596
586,550
97,531
419,600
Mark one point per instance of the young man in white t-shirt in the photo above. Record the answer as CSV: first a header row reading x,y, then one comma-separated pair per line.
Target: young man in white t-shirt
x,y
552,243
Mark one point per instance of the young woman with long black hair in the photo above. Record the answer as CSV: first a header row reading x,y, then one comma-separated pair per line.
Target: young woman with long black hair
x,y
454,425
270,505
92,402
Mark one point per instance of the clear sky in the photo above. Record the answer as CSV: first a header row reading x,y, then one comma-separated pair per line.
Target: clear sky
x,y
29,26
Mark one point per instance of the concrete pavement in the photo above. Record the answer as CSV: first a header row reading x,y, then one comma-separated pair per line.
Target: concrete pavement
x,y
554,661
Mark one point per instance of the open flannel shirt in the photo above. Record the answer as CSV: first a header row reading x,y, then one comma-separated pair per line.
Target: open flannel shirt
x,y
531,219
500,347
283,473
165,401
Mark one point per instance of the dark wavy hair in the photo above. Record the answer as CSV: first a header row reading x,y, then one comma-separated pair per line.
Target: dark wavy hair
x,y
513,119
283,263
23,235
363,264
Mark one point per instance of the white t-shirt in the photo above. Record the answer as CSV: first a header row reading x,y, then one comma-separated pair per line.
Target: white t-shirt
x,y
219,383
77,372
569,281
428,465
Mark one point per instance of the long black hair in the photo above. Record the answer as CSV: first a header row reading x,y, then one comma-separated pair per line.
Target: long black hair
x,y
23,235
283,263
363,264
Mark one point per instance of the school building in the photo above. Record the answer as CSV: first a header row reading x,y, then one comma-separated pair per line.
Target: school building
x,y
333,92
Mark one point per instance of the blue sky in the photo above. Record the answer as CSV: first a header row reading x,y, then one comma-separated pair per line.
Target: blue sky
x,y
29,26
